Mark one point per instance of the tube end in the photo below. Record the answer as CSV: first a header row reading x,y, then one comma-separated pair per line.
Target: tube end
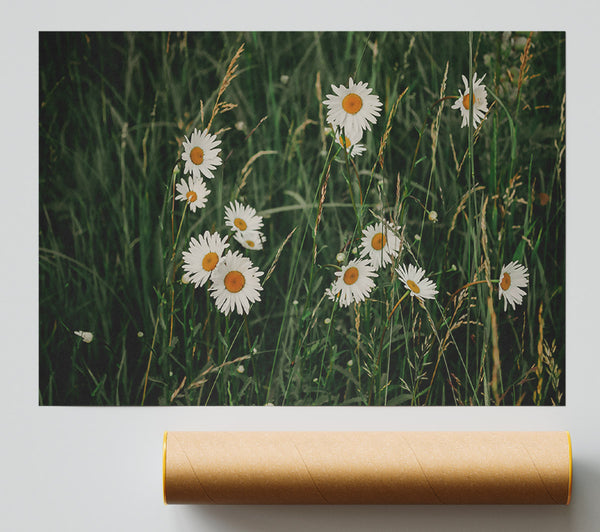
x,y
570,467
164,467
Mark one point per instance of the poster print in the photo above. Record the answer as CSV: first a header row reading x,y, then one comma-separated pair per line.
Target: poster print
x,y
300,218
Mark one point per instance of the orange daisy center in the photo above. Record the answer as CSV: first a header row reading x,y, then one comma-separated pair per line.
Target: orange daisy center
x,y
344,141
505,282
351,275
467,101
191,196
240,224
250,243
352,103
378,241
210,261
234,281
197,155
413,286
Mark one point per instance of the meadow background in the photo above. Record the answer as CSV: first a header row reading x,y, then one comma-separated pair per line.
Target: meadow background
x,y
114,108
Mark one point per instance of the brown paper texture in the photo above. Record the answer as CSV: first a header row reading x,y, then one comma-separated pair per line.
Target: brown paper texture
x,y
367,467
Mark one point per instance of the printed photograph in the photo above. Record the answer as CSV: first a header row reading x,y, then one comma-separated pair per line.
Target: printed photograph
x,y
302,218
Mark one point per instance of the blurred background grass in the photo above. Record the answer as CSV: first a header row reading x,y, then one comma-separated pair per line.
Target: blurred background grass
x,y
114,108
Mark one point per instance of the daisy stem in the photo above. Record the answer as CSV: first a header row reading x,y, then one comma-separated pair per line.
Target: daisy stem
x,y
347,179
471,98
351,195
472,205
396,306
443,99
173,277
473,247
247,332
173,207
349,167
179,229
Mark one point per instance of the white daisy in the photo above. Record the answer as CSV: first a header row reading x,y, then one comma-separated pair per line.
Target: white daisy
x,y
242,217
329,293
353,282
350,143
352,109
479,101
380,243
194,192
250,239
235,284
513,278
414,280
86,336
201,154
203,256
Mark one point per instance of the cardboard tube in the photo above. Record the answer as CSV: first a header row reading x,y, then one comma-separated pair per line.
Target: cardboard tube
x,y
367,467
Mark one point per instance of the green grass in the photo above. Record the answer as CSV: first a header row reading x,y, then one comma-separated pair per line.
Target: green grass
x,y
114,109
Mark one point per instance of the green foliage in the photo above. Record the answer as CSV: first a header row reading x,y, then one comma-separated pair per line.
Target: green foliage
x,y
114,109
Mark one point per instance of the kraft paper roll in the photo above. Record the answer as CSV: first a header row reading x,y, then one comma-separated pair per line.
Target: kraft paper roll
x,y
367,467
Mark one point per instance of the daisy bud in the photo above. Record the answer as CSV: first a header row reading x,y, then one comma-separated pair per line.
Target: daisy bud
x,y
86,336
